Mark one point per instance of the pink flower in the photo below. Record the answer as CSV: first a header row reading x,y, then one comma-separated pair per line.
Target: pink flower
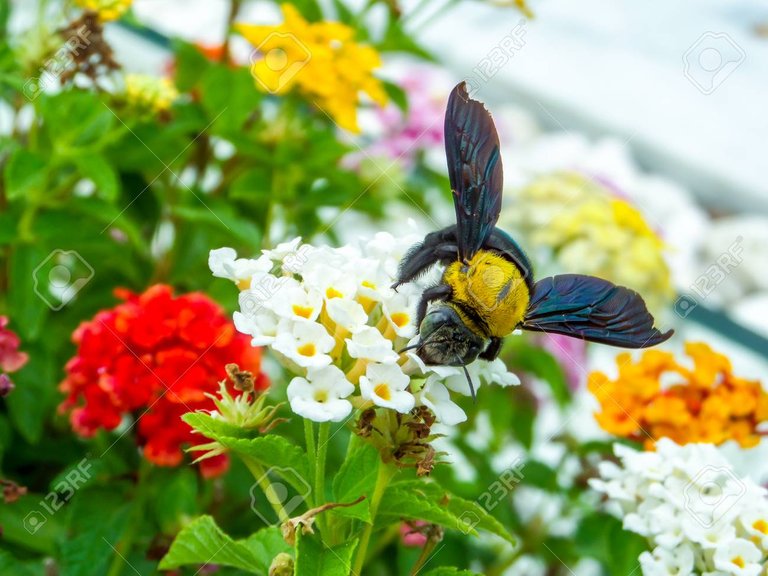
x,y
11,359
571,354
412,535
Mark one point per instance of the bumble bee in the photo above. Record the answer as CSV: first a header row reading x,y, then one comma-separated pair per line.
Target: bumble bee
x,y
488,289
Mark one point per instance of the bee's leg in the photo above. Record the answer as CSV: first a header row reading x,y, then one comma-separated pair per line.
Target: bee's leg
x,y
493,349
437,247
439,292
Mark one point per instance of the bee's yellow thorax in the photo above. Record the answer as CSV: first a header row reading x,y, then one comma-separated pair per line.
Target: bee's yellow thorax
x,y
493,289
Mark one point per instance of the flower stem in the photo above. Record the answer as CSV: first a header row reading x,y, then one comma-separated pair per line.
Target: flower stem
x,y
384,476
320,457
260,475
124,544
309,438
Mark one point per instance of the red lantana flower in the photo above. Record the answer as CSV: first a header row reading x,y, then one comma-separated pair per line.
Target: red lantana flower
x,y
154,357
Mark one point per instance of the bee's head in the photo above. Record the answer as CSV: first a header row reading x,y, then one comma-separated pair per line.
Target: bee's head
x,y
446,340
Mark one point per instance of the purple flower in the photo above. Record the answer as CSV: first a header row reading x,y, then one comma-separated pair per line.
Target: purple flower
x,y
571,354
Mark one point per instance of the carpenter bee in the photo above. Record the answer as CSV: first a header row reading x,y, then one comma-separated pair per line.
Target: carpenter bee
x,y
488,289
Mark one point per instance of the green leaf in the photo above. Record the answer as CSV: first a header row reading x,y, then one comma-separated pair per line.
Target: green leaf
x,y
473,514
313,558
602,537
215,428
96,168
203,542
397,95
278,455
33,398
11,565
414,500
86,550
540,475
190,65
275,453
540,363
355,478
25,174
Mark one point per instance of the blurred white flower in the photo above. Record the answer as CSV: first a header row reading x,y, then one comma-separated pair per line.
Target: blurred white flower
x,y
698,516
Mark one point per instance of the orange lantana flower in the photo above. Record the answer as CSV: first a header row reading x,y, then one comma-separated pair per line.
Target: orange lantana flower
x,y
657,397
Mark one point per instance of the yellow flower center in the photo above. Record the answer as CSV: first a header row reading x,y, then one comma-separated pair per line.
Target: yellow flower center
x,y
400,319
369,284
383,391
321,396
244,284
303,311
331,292
761,526
739,561
307,349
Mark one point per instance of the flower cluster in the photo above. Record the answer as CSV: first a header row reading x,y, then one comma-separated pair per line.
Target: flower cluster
x,y
697,514
591,230
333,320
657,397
155,356
321,59
105,9
11,359
150,92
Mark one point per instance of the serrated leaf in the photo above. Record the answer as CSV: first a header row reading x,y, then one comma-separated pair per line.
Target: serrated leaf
x,y
412,500
313,558
215,428
203,542
355,478
472,513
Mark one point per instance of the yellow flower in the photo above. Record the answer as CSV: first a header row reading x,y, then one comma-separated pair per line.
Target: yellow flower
x,y
151,92
706,403
319,59
106,9
591,231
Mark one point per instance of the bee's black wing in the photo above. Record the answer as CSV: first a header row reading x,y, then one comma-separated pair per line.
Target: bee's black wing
x,y
474,169
592,309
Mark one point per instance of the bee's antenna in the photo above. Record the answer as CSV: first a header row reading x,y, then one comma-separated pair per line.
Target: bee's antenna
x,y
411,347
469,381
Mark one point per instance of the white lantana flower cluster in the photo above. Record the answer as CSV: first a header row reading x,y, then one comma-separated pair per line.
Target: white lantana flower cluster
x,y
699,517
333,319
